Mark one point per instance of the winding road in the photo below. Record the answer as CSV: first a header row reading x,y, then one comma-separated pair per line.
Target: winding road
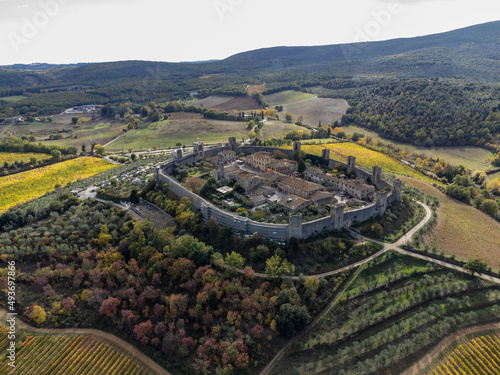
x,y
386,247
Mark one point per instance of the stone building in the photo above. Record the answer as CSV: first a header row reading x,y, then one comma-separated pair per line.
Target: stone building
x,y
356,188
247,180
294,203
282,166
260,160
300,187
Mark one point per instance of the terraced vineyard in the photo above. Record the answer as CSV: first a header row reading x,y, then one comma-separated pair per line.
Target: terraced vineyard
x,y
479,356
69,354
24,186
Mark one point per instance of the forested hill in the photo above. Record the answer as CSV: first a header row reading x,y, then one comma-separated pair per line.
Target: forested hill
x,y
484,38
470,54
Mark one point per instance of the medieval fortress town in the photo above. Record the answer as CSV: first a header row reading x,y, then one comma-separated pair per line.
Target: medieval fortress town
x,y
268,177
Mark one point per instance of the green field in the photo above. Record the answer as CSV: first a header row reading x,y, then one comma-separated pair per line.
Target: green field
x,y
469,156
461,229
12,99
278,129
100,133
182,127
286,97
386,318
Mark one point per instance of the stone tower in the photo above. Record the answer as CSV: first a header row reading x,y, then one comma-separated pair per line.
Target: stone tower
x,y
295,226
219,173
396,189
337,215
325,154
296,146
381,199
376,175
351,164
199,150
232,143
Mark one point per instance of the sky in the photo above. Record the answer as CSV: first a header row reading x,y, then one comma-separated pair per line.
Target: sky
x,y
71,31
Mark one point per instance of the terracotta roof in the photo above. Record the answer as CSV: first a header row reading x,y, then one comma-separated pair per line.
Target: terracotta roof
x,y
225,152
262,154
319,195
302,184
292,202
271,176
245,175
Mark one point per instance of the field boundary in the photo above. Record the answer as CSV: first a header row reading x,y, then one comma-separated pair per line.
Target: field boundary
x,y
128,348
422,363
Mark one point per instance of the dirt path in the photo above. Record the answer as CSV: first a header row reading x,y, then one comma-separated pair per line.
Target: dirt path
x,y
283,350
425,361
129,348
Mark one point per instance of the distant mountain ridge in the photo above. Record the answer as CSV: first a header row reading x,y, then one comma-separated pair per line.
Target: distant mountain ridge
x,y
471,53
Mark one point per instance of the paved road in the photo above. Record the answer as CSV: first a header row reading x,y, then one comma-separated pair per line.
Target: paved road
x,y
395,246
386,247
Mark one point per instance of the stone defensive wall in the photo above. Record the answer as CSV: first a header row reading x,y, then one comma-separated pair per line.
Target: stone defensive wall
x,y
337,221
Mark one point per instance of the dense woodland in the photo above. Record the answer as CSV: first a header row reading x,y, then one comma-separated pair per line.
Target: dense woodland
x,y
426,112
90,264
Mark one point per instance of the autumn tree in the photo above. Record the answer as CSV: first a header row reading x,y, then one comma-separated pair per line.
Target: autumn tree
x,y
109,306
276,267
36,313
194,184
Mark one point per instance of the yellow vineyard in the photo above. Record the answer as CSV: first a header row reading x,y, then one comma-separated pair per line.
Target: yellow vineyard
x,y
365,158
28,185
70,354
11,157
478,356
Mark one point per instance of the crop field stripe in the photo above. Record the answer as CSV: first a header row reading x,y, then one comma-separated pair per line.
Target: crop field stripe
x,y
69,357
88,356
28,185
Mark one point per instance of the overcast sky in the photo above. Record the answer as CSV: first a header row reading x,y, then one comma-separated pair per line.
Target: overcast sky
x,y
69,31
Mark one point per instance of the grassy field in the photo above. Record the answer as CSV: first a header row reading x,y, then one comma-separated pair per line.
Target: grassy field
x,y
24,186
315,109
468,156
100,133
182,127
481,352
11,157
12,99
387,317
68,354
277,129
286,97
461,229
365,158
